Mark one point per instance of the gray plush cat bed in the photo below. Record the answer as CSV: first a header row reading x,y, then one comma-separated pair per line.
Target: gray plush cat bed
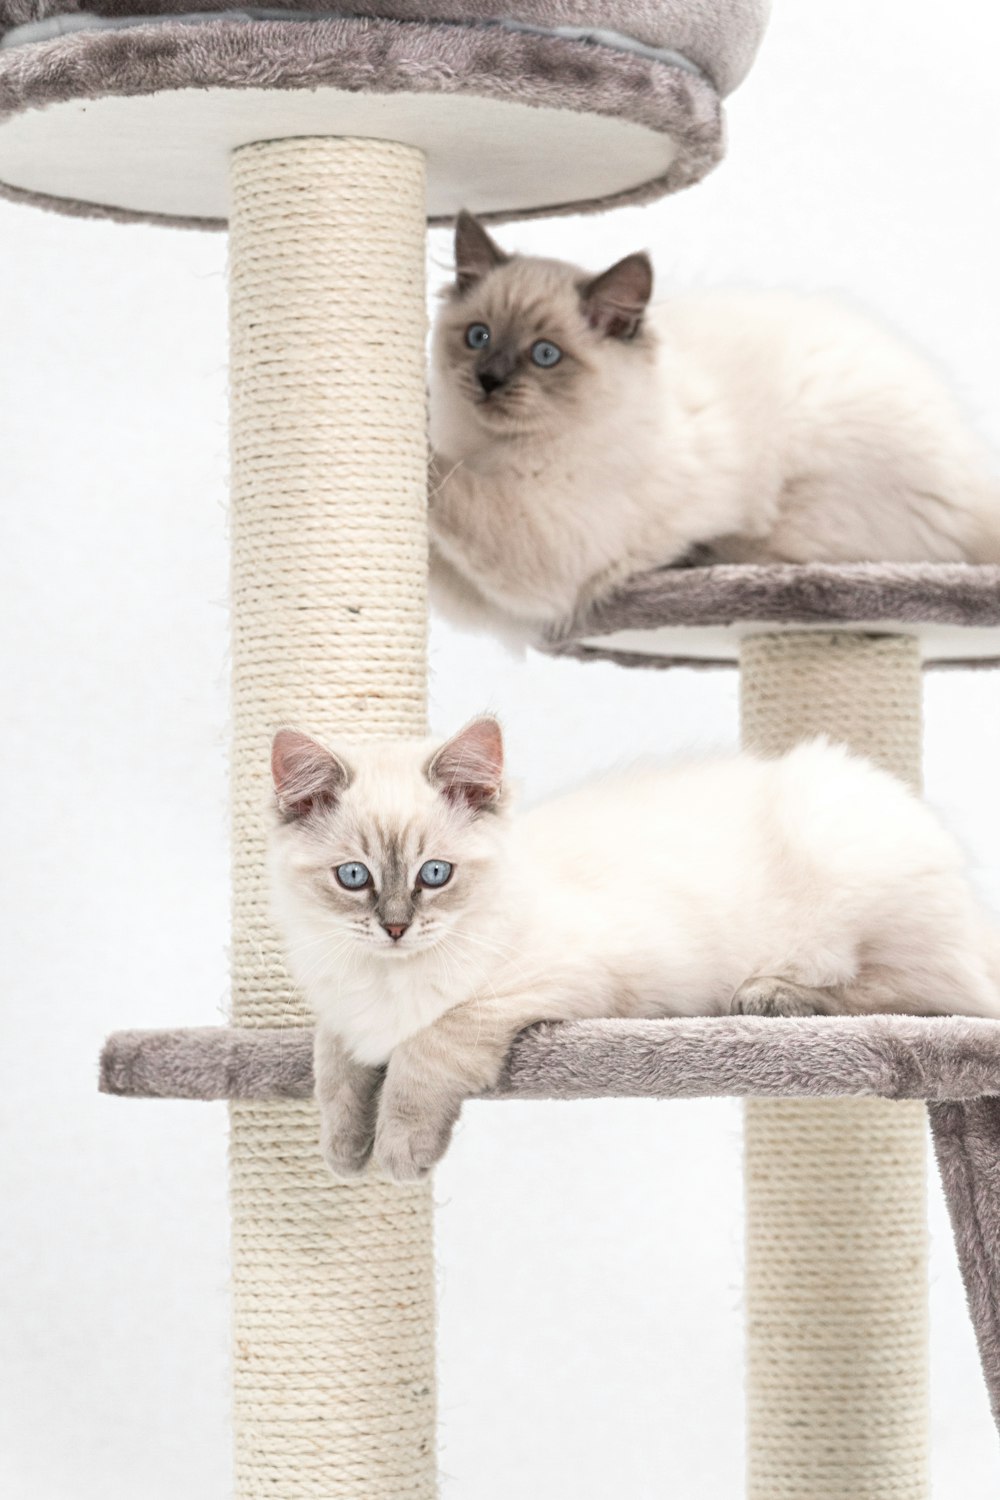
x,y
132,109
698,616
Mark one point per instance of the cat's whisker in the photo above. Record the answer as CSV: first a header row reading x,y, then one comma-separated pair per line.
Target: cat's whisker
x,y
432,494
477,999
497,947
333,955
293,950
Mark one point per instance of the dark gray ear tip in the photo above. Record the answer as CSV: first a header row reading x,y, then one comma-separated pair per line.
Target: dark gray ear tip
x,y
642,261
636,266
467,225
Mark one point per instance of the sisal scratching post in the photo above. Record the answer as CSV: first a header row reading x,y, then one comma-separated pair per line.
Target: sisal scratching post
x,y
836,1276
333,1285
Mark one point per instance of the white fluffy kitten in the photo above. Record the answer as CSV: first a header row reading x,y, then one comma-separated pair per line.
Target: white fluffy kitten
x,y
580,437
427,927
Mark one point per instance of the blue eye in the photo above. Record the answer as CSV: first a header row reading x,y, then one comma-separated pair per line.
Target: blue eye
x,y
436,872
545,353
353,877
477,335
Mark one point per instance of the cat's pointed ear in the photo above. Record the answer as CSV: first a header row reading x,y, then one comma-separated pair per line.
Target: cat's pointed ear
x,y
468,768
307,777
475,253
615,301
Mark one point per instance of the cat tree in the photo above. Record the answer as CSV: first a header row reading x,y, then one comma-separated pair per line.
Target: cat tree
x,y
324,142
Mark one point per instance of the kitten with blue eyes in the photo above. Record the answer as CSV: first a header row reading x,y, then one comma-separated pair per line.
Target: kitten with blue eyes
x,y
427,926
386,881
581,435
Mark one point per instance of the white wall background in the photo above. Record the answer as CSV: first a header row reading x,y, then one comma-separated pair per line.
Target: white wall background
x,y
589,1254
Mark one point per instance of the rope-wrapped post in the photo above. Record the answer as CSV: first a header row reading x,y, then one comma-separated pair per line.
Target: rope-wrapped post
x,y
836,1273
333,1285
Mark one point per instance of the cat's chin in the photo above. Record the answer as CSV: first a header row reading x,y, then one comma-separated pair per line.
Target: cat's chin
x,y
398,951
500,421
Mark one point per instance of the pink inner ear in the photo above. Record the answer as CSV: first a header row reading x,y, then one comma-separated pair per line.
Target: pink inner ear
x,y
615,324
304,773
616,301
469,767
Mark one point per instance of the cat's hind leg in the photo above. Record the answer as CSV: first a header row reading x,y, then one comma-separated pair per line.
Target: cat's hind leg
x,y
771,995
959,985
875,991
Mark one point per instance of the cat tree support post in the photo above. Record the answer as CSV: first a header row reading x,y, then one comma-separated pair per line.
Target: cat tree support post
x,y
836,1278
133,116
333,1285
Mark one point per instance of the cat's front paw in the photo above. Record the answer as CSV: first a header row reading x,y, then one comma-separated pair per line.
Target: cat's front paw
x,y
346,1145
406,1149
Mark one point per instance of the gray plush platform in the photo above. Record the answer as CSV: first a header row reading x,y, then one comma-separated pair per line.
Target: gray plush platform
x,y
888,1057
697,616
951,1062
131,110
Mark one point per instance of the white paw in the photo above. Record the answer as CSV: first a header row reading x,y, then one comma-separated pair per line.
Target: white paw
x,y
407,1150
346,1148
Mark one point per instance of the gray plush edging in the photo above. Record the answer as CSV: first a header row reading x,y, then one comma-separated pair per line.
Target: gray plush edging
x,y
888,1057
372,56
959,595
801,594
721,37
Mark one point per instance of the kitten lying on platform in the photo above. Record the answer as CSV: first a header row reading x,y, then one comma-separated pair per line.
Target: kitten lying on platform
x,y
427,926
580,436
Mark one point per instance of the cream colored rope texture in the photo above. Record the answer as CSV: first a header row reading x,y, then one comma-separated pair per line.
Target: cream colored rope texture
x,y
333,1286
836,1275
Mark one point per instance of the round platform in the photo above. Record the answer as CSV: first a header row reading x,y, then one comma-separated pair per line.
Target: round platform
x,y
541,110
698,616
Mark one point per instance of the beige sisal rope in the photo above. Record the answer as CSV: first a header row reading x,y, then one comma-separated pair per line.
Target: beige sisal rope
x,y
333,1299
836,1275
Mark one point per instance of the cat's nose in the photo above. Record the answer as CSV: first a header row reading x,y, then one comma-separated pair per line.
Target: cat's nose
x,y
395,929
491,380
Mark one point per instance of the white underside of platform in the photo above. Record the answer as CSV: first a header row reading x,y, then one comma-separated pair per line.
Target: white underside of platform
x,y
168,153
938,643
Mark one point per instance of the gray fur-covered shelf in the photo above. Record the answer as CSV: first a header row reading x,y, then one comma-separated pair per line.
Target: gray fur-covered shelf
x,y
698,616
887,1057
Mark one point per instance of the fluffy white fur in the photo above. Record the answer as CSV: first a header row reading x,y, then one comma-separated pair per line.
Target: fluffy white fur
x,y
806,884
717,427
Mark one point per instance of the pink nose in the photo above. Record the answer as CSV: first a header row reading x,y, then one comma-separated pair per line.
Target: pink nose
x,y
395,929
